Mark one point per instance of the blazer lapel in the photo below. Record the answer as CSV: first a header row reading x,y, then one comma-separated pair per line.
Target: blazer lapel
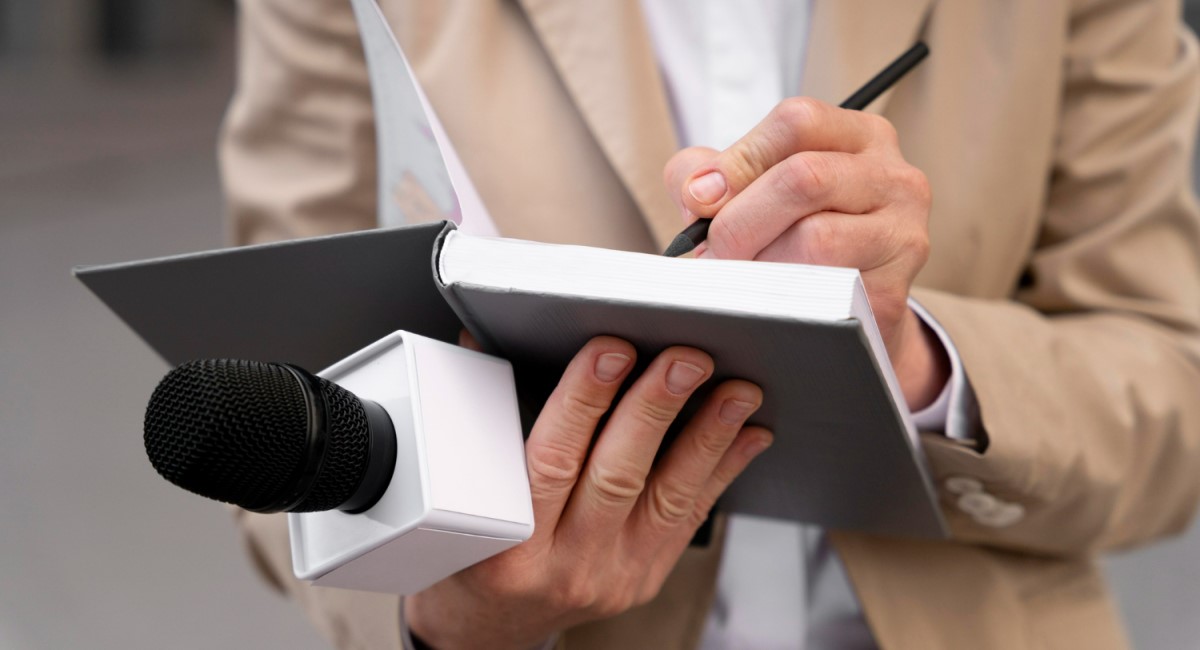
x,y
850,41
603,53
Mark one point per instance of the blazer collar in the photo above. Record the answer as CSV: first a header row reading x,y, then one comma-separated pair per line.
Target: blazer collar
x,y
603,53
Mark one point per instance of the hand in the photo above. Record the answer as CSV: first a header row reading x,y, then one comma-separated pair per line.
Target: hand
x,y
816,184
609,524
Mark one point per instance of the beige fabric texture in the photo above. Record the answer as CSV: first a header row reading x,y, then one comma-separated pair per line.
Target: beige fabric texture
x,y
1056,136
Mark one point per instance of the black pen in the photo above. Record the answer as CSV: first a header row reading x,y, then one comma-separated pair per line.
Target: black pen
x,y
691,236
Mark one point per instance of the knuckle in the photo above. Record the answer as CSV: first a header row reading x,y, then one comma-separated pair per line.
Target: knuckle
x,y
616,486
655,413
799,111
920,248
745,161
584,408
700,511
552,465
577,593
921,183
710,443
723,475
729,238
915,184
669,503
808,176
882,129
818,238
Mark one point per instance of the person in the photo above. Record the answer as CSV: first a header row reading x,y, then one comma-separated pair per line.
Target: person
x,y
1027,190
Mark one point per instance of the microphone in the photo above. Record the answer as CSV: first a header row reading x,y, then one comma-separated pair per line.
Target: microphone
x,y
399,465
269,437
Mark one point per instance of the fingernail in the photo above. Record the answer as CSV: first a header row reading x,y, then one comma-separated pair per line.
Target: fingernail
x,y
709,188
706,254
683,377
757,446
734,411
611,365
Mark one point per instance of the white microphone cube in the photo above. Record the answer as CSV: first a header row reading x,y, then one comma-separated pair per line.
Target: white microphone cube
x,y
460,491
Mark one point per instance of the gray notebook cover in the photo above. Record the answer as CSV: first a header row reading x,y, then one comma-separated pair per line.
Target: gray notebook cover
x,y
841,457
308,302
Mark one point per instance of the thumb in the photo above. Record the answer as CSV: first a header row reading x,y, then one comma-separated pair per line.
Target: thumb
x,y
681,167
466,340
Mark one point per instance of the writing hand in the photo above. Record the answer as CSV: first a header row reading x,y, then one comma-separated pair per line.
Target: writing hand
x,y
817,184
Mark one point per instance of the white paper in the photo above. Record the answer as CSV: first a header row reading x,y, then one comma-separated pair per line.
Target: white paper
x,y
421,177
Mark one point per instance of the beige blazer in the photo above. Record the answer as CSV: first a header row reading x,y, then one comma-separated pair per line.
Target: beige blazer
x,y
1056,135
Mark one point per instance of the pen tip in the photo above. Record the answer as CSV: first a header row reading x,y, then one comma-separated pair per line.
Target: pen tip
x,y
681,245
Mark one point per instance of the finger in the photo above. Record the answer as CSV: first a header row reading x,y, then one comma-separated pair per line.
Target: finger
x,y
751,441
617,468
860,242
800,185
793,126
888,254
675,484
559,441
833,239
679,168
468,341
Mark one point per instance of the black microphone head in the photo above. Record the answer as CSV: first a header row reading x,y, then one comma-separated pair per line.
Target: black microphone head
x,y
264,436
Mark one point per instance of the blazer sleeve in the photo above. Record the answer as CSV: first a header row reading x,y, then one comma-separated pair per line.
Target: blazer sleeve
x,y
1088,383
297,155
297,147
349,620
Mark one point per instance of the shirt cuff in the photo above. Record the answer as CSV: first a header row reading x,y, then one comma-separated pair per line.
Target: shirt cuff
x,y
950,413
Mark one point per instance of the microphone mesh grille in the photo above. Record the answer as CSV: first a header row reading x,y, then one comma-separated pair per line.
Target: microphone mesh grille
x,y
346,452
237,431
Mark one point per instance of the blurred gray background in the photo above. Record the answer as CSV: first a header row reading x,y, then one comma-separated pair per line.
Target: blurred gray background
x,y
108,119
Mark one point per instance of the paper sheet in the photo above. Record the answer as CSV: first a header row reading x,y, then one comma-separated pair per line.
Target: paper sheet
x,y
421,177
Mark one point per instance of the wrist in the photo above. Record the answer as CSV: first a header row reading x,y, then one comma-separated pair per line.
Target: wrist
x,y
435,621
921,363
